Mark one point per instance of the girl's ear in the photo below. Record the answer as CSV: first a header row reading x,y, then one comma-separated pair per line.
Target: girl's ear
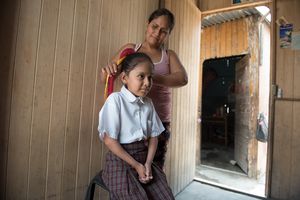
x,y
123,77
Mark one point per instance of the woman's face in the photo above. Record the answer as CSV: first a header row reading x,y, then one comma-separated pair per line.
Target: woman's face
x,y
157,31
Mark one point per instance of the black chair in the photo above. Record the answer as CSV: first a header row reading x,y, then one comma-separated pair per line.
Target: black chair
x,y
97,180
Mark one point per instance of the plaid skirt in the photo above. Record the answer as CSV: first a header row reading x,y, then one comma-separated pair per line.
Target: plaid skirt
x,y
122,180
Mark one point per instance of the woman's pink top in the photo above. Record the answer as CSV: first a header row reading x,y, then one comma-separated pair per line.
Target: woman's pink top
x,y
161,95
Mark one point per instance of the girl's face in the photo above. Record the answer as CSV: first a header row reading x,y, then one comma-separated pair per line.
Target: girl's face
x,y
139,80
157,31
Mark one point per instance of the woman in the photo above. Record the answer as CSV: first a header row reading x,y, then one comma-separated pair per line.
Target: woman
x,y
168,71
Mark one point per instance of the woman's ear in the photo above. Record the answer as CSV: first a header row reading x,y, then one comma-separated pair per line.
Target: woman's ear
x,y
123,77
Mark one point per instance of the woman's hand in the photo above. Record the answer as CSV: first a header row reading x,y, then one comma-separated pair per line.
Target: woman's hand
x,y
111,69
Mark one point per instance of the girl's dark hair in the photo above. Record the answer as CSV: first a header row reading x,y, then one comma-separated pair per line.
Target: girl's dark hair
x,y
163,12
134,59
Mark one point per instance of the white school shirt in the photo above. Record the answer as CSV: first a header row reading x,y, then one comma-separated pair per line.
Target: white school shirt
x,y
128,118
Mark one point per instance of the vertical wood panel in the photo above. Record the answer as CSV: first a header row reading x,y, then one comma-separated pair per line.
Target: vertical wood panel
x,y
22,100
295,153
234,40
42,99
185,105
97,149
88,92
203,44
75,87
9,21
228,39
208,35
247,30
222,40
213,41
240,35
282,150
296,22
59,99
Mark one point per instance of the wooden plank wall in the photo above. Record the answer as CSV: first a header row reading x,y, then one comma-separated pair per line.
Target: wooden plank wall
x,y
226,39
185,40
51,51
285,175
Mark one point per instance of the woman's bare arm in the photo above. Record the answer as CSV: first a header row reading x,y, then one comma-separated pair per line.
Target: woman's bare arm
x,y
177,77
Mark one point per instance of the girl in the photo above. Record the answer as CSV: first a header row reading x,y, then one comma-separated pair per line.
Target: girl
x,y
168,73
129,126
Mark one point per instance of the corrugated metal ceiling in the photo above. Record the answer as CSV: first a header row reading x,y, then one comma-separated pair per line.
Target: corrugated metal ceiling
x,y
227,16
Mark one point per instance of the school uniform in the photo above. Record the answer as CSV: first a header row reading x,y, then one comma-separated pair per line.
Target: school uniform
x,y
131,120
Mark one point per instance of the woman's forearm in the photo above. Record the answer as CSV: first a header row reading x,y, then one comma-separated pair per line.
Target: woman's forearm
x,y
177,79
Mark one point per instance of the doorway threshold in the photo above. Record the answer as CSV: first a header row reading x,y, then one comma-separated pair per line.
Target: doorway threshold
x,y
230,180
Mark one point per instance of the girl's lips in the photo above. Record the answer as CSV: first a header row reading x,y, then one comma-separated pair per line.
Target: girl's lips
x,y
145,90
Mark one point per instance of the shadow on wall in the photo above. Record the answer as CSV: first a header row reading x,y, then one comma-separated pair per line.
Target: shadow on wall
x,y
9,12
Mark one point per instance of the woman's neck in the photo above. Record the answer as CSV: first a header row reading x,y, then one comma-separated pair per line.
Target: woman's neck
x,y
149,47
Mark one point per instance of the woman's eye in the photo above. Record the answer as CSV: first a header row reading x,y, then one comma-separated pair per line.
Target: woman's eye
x,y
164,31
154,26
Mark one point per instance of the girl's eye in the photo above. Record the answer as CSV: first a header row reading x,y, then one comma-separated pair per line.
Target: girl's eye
x,y
141,76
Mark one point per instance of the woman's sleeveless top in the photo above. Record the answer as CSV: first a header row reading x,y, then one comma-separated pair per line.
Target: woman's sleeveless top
x,y
161,95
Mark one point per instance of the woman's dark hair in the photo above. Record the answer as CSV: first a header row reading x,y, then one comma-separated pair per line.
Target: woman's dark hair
x,y
163,12
134,59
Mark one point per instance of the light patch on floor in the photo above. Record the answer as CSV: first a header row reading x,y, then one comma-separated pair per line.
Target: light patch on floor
x,y
200,191
231,180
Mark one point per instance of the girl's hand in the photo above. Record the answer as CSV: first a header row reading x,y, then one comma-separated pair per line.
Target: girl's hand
x,y
148,171
141,170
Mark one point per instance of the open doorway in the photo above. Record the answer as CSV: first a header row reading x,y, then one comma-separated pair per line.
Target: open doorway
x,y
235,92
218,113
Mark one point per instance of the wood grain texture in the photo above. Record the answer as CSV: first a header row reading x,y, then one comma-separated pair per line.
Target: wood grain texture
x,y
225,40
55,51
285,159
9,21
185,41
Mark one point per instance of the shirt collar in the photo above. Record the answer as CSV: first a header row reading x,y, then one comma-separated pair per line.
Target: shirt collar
x,y
131,97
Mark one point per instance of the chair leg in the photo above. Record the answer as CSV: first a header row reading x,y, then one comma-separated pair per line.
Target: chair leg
x,y
90,191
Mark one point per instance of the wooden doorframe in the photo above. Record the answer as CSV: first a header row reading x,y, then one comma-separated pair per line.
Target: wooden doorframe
x,y
272,6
